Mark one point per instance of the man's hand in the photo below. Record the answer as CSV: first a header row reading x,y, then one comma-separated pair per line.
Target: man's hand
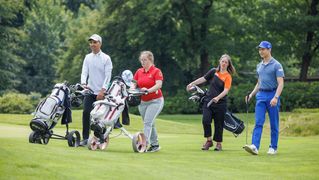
x,y
248,98
100,95
273,102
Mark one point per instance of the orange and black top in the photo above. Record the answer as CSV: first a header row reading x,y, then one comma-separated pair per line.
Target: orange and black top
x,y
218,82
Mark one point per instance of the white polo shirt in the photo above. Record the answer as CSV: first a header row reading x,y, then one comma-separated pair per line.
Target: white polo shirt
x,y
96,71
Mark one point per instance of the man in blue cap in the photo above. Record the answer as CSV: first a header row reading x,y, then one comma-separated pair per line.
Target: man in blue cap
x,y
267,90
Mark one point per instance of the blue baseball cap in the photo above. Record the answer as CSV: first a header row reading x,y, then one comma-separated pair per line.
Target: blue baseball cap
x,y
264,44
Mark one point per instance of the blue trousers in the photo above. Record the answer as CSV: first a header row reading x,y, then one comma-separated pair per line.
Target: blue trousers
x,y
262,105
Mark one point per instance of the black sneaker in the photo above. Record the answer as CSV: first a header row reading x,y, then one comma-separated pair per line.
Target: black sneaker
x,y
84,142
154,148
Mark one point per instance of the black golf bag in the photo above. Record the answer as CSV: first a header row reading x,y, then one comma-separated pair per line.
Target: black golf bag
x,y
233,124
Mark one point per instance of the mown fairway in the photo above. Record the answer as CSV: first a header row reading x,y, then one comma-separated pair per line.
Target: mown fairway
x,y
180,157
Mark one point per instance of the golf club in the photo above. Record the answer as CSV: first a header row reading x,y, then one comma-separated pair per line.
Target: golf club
x,y
246,102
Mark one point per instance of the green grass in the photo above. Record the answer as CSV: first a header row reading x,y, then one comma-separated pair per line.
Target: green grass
x,y
180,157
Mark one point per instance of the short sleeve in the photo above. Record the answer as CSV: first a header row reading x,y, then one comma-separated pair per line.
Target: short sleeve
x,y
228,82
210,74
279,70
158,75
257,69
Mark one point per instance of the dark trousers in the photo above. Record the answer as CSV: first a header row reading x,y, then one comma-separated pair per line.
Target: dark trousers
x,y
87,108
217,112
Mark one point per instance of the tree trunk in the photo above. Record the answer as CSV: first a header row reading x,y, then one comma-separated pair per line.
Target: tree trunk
x,y
306,59
308,53
204,64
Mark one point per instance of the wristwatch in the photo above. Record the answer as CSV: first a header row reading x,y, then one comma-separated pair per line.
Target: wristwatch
x,y
276,97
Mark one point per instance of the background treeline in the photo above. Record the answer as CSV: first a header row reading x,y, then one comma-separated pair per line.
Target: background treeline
x,y
45,41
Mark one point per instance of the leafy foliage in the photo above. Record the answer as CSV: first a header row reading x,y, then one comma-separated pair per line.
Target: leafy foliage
x,y
42,46
46,41
17,103
295,95
11,19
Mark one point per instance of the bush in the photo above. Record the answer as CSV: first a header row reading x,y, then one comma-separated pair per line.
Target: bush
x,y
295,95
300,95
17,103
179,104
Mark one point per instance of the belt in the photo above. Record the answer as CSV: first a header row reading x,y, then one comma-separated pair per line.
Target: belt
x,y
267,90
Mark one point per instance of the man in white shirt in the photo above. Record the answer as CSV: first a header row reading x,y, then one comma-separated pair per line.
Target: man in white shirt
x,y
96,75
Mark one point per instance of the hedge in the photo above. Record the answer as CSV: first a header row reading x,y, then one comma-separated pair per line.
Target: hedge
x,y
295,95
17,103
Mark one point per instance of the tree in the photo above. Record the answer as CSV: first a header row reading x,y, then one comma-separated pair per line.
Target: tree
x,y
74,5
292,27
312,39
11,20
76,45
44,28
184,36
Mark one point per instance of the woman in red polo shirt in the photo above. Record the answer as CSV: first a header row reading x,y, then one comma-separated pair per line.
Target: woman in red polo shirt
x,y
215,102
150,79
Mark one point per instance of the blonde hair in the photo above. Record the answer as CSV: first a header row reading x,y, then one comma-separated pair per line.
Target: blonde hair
x,y
230,68
148,54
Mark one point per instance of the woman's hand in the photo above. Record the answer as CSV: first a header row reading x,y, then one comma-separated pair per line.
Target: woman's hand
x,y
145,90
189,86
215,99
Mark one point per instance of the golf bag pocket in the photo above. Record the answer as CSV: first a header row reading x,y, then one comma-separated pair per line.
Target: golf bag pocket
x,y
106,112
233,124
48,108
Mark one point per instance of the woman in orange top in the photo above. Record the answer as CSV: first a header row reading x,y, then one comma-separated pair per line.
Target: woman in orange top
x,y
215,102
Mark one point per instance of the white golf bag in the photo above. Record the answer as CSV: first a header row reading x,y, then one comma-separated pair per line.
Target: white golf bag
x,y
48,113
106,114
51,108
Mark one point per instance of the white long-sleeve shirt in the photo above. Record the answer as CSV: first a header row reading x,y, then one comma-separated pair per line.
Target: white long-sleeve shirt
x,y
96,71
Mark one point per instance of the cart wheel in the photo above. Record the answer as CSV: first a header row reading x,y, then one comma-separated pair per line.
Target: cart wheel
x,y
104,145
32,137
139,142
92,143
35,137
73,138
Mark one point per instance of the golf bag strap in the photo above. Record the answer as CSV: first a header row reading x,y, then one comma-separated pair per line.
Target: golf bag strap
x,y
67,115
125,116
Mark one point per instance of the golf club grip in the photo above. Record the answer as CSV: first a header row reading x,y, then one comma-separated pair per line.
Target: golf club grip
x,y
209,103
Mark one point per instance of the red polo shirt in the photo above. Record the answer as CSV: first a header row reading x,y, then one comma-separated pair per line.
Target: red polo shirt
x,y
147,80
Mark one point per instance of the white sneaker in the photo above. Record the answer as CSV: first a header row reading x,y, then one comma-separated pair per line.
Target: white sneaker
x,y
251,149
272,151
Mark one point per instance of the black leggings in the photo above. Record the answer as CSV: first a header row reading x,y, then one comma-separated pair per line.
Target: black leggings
x,y
218,113
87,108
